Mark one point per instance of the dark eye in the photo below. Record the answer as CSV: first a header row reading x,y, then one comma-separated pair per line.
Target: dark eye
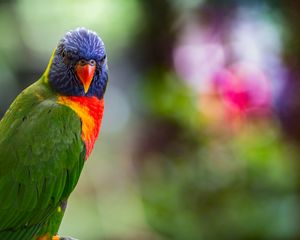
x,y
65,57
103,59
64,54
82,62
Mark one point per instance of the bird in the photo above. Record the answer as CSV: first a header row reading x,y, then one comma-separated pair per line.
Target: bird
x,y
47,135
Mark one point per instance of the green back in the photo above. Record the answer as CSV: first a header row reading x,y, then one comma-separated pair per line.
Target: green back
x,y
41,157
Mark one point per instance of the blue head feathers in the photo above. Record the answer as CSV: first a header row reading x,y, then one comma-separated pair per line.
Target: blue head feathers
x,y
79,66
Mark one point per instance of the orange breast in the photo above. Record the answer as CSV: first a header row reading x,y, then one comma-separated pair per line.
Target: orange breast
x,y
90,111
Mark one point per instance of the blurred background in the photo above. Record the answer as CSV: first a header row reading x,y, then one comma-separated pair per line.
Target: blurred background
x,y
201,134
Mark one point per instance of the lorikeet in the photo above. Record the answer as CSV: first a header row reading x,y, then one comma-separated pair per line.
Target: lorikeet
x,y
46,136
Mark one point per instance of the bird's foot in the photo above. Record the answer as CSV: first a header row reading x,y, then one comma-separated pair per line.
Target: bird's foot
x,y
56,237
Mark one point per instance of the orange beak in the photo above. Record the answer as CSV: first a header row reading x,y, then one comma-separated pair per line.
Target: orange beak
x,y
85,72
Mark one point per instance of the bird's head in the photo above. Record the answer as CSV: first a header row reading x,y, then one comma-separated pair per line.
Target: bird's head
x,y
79,65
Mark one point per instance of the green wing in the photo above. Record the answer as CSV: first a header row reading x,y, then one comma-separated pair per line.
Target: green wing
x,y
41,157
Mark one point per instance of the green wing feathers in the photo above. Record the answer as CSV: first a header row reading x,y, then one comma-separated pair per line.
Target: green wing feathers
x,y
35,178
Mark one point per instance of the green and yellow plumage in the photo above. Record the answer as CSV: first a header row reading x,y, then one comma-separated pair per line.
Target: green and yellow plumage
x,y
42,153
34,125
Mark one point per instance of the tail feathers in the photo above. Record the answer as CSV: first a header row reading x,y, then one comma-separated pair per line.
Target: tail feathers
x,y
26,233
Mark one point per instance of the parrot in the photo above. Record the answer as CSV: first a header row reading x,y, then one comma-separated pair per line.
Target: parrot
x,y
47,135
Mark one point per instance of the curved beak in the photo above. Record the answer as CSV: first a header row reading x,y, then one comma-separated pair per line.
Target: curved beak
x,y
85,71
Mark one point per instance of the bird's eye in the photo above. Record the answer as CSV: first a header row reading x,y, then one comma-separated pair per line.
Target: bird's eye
x,y
82,62
65,57
92,62
103,59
